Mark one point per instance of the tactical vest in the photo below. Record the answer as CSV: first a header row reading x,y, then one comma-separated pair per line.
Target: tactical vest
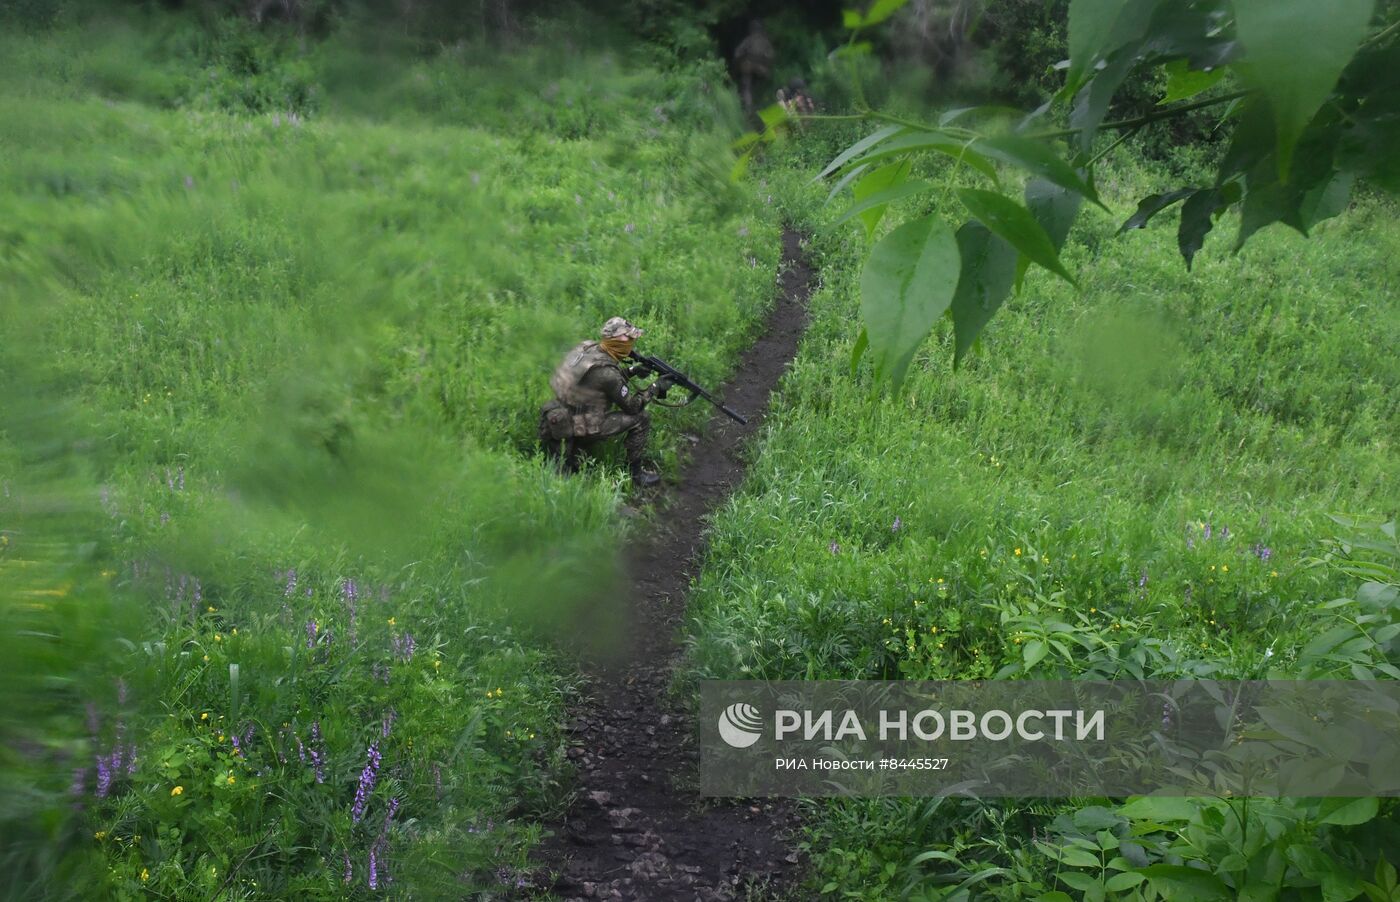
x,y
587,405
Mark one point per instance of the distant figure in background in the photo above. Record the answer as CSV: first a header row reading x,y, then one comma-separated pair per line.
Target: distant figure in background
x,y
754,60
593,401
796,99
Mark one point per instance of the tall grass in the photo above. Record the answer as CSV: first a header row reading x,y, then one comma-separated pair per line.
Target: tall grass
x,y
1149,462
282,568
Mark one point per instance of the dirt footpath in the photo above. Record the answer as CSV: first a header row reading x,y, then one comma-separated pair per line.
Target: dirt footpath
x,y
638,829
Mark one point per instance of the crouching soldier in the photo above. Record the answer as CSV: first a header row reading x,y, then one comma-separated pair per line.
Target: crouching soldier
x,y
593,401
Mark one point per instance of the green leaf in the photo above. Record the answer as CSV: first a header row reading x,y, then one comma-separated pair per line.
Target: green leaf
x,y
1014,223
1055,208
858,148
1039,160
938,142
1197,219
882,10
851,19
858,351
1348,812
1184,82
845,180
881,199
1034,652
1096,28
1183,884
984,282
1294,52
906,285
1326,200
1150,206
1160,808
1091,104
1339,883
1119,882
877,182
1078,858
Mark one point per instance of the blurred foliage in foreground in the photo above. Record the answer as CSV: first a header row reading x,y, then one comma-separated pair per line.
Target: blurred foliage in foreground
x,y
1134,481
276,573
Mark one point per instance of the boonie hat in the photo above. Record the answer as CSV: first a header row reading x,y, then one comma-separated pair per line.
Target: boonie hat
x,y
617,327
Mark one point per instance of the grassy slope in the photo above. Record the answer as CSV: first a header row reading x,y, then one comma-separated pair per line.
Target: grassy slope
x,y
317,344
928,536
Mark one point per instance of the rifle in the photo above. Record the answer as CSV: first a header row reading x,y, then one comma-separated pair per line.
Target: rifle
x,y
662,368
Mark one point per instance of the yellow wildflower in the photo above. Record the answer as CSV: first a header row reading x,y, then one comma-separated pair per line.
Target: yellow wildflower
x,y
206,659
204,716
212,609
1224,568
218,638
1018,552
437,664
392,621
178,790
1273,573
145,874
235,631
100,835
230,779
221,737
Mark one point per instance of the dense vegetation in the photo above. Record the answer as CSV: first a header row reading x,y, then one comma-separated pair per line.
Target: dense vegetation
x,y
1133,480
280,575
279,580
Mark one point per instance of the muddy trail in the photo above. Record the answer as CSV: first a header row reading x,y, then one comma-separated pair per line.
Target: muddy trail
x,y
638,829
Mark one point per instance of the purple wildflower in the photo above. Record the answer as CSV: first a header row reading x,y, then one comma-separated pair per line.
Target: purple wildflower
x,y
1262,551
318,758
834,548
131,760
404,646
1224,532
104,777
368,778
349,871
387,723
1142,581
291,583
897,525
311,630
374,867
1207,530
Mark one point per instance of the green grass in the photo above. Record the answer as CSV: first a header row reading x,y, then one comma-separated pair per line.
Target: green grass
x,y
1066,474
271,313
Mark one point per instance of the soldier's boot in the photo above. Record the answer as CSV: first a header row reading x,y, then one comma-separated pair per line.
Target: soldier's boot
x,y
635,444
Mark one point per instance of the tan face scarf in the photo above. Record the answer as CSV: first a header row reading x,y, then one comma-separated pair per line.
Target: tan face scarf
x,y
617,348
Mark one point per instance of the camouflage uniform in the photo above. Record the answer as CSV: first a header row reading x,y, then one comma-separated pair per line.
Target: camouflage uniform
x,y
593,403
754,60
